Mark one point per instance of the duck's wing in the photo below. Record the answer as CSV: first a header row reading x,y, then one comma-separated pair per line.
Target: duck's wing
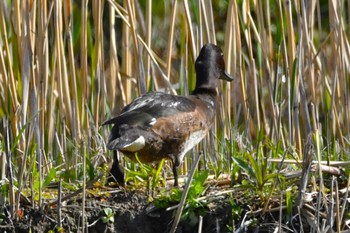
x,y
145,110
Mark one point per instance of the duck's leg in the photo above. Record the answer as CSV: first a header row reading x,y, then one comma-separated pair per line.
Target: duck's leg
x,y
116,173
176,165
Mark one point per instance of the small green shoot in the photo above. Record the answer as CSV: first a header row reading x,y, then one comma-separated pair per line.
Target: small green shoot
x,y
192,207
145,172
109,215
256,166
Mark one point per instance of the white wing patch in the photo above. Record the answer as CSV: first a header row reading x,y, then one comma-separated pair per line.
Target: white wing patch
x,y
172,104
153,121
136,145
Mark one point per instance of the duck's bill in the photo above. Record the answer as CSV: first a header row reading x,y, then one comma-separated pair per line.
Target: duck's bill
x,y
226,77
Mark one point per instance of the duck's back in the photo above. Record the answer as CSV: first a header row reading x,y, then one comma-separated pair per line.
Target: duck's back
x,y
160,125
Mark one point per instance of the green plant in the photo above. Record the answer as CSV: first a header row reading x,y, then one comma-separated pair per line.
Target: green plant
x,y
109,215
255,164
193,205
236,211
141,173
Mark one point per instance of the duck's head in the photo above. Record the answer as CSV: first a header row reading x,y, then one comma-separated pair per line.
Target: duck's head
x,y
210,66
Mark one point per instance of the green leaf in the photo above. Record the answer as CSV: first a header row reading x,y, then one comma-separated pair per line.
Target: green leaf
x,y
294,71
202,177
109,215
242,164
289,201
156,174
108,211
104,219
49,177
270,176
256,172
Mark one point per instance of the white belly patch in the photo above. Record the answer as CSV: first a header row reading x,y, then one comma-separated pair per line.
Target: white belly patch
x,y
192,140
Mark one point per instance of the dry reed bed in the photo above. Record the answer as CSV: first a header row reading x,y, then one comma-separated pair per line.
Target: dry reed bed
x,y
65,68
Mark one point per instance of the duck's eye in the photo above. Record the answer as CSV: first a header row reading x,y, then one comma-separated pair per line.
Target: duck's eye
x,y
222,54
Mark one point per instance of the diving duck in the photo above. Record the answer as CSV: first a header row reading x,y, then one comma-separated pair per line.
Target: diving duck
x,y
157,125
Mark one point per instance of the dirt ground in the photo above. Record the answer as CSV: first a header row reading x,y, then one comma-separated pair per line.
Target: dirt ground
x,y
132,213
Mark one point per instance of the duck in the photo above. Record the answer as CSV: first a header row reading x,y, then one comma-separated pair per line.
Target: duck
x,y
158,125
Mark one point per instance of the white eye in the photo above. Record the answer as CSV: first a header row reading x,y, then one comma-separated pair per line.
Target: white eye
x,y
222,54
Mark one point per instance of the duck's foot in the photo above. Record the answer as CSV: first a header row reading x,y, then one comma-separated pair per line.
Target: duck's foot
x,y
116,174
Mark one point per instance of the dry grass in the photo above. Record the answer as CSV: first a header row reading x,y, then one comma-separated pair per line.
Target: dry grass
x,y
65,68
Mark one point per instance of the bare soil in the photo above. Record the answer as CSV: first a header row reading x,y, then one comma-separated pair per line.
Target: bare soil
x,y
132,213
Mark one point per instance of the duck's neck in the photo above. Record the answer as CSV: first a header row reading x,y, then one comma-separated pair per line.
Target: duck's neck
x,y
206,95
205,91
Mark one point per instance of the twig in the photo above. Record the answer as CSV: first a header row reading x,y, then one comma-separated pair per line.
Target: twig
x,y
330,163
9,166
200,224
314,211
325,169
59,204
346,191
184,195
75,193
337,204
217,194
